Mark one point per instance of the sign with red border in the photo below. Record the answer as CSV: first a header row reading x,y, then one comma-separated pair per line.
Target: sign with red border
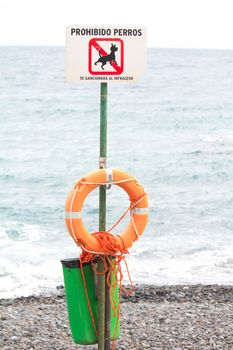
x,y
108,54
103,62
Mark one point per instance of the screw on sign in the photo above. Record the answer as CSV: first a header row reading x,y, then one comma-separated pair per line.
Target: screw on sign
x,y
106,56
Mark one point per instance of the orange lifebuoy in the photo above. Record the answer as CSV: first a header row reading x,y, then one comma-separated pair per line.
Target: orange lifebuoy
x,y
138,208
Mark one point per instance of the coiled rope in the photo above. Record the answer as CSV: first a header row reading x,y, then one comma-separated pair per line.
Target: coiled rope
x,y
112,258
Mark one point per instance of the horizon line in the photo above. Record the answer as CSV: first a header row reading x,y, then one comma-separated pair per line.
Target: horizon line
x,y
149,47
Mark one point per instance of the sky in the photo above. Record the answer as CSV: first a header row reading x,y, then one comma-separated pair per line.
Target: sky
x,y
170,23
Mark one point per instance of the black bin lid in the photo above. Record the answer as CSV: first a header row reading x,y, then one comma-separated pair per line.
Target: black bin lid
x,y
73,263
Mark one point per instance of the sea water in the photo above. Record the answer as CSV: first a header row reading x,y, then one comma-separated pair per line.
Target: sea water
x,y
173,131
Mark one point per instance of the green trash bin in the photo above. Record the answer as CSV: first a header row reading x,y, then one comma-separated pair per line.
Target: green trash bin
x,y
78,311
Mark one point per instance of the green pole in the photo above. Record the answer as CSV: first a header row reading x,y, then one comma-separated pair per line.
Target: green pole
x,y
102,336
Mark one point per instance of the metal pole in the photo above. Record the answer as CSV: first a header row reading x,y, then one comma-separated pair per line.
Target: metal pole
x,y
107,313
103,332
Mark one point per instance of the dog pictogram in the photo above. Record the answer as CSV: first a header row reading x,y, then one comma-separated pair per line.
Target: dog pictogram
x,y
111,58
106,56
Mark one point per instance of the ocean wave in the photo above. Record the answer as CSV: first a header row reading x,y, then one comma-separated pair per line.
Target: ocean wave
x,y
195,153
223,139
7,177
17,231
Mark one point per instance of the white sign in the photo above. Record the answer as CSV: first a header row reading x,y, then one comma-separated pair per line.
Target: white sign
x,y
105,54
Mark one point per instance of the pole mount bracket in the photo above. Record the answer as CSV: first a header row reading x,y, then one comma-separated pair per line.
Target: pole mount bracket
x,y
102,162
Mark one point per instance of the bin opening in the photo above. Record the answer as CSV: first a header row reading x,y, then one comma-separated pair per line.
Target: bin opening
x,y
72,263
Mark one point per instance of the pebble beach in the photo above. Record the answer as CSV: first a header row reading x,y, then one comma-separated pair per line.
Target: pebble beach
x,y
181,317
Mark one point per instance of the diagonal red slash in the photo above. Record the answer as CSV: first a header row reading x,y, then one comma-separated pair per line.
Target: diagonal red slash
x,y
95,44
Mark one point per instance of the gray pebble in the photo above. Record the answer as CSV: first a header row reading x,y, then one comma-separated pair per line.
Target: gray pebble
x,y
162,318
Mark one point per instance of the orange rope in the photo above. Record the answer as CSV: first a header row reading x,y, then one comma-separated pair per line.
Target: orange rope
x,y
87,297
111,248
